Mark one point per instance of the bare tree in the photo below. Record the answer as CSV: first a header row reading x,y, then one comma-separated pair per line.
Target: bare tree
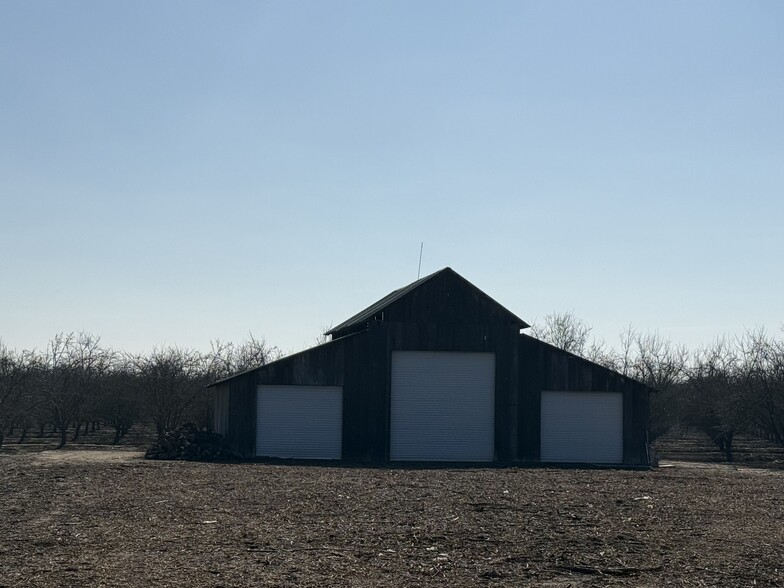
x,y
120,403
323,337
169,380
564,330
762,379
711,399
660,364
227,358
598,352
95,381
16,371
72,364
624,358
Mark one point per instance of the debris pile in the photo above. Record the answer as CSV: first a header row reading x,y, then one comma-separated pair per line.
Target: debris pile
x,y
190,443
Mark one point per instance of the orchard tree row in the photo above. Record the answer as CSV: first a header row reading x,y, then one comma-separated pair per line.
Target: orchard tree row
x,y
76,382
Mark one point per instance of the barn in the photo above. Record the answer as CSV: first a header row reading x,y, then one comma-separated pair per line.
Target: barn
x,y
436,371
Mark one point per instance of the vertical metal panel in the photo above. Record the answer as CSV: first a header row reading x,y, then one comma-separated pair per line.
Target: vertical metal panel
x,y
304,422
221,413
442,406
582,427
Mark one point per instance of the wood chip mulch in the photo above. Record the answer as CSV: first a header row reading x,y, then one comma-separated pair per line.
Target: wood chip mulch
x,y
77,519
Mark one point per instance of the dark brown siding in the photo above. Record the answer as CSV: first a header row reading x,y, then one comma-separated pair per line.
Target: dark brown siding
x,y
448,299
365,392
443,298
241,435
319,366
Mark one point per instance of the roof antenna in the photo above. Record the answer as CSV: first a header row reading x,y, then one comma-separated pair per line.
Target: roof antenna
x,y
419,269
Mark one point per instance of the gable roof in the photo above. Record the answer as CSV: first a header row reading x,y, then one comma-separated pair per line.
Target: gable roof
x,y
360,320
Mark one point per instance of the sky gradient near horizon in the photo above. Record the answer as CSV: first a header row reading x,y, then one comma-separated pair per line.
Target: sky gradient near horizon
x,y
183,171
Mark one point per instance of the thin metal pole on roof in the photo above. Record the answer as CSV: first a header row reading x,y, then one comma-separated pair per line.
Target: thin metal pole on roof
x,y
419,269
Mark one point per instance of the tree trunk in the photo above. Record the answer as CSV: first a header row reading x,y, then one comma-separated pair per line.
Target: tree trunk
x,y
77,431
117,435
63,437
728,445
2,436
23,436
41,431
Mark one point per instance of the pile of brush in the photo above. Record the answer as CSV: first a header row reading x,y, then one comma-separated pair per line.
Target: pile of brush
x,y
190,443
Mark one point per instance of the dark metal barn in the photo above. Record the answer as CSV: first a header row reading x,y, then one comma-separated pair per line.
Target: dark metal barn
x,y
435,371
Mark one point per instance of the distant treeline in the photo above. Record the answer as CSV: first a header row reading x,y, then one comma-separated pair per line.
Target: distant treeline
x,y
734,385
76,381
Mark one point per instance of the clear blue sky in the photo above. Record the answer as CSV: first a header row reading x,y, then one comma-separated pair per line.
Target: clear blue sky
x,y
176,172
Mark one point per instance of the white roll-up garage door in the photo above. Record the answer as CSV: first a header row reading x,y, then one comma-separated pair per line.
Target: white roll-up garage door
x,y
304,422
442,406
582,427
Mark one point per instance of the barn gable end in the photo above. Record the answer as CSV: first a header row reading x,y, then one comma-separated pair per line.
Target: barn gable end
x,y
442,298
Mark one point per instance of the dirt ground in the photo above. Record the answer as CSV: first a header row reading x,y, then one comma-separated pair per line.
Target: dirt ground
x,y
109,518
